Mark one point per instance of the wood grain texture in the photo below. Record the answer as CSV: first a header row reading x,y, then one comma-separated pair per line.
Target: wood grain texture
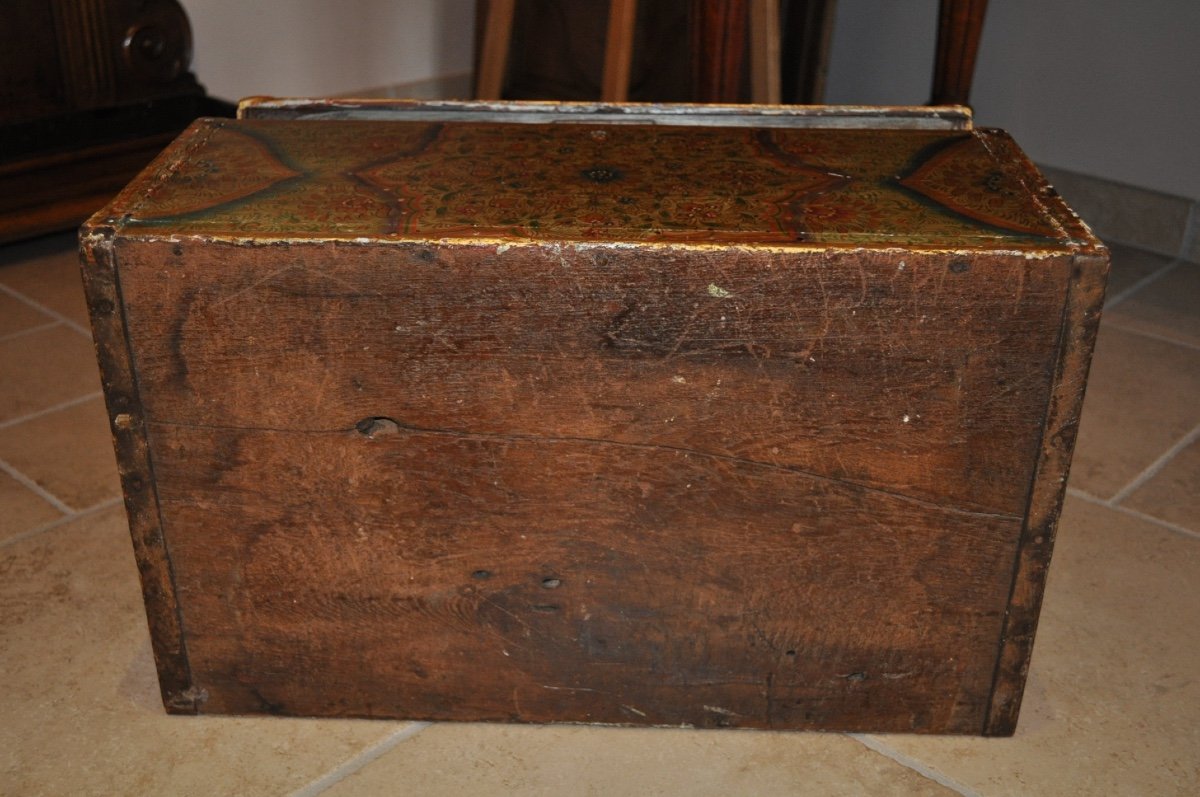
x,y
451,575
718,32
121,394
744,354
686,443
1081,322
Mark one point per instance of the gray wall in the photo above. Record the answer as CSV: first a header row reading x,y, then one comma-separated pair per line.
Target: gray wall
x,y
1109,88
317,47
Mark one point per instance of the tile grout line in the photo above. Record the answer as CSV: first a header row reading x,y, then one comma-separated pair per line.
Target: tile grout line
x,y
1187,238
29,331
1157,465
1166,525
1083,495
62,319
1109,238
871,743
49,410
1115,323
357,762
108,503
45,494
1152,277
1191,228
1157,521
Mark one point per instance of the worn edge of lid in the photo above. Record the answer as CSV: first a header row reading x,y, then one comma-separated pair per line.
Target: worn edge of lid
x,y
250,107
1043,193
110,220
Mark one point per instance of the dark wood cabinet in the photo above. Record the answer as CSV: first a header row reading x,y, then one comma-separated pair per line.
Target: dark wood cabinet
x,y
90,91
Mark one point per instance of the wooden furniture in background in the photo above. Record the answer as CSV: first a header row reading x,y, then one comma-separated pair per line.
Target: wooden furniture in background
x,y
718,31
493,51
618,50
90,91
786,56
496,45
960,25
807,27
765,44
560,50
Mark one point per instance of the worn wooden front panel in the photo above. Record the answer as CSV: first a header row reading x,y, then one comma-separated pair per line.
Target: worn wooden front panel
x,y
667,485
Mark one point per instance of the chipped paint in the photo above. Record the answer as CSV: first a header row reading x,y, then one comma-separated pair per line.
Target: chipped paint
x,y
723,711
1092,246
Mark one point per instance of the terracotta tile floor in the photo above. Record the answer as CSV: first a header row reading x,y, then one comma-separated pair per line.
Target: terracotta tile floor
x,y
1112,707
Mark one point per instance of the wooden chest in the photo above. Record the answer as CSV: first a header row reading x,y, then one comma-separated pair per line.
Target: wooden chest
x,y
489,415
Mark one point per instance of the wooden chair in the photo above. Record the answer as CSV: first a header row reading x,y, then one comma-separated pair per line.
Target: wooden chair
x,y
719,33
618,50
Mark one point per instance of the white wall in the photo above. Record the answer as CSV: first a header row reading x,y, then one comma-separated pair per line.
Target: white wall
x,y
317,47
1109,88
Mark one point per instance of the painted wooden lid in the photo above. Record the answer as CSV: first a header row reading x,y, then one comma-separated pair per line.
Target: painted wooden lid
x,y
598,183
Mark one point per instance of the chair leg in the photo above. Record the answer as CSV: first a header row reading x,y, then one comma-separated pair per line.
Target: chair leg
x,y
718,44
493,60
618,51
807,30
960,24
765,70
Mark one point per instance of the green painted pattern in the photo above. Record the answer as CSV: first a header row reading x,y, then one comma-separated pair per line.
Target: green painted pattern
x,y
579,182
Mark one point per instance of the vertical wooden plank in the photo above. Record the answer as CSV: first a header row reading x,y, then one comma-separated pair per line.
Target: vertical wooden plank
x,y
1081,321
128,426
618,51
494,58
765,73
